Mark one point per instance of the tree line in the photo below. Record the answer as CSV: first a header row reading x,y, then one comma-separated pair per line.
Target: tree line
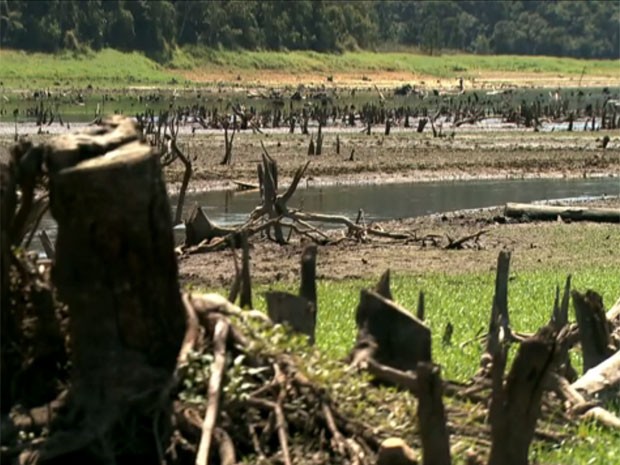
x,y
584,29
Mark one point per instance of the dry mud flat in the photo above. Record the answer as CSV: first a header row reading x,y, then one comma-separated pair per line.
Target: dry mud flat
x,y
483,80
536,245
480,152
402,156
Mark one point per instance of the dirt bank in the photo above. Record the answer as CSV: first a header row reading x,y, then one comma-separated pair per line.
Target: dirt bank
x,y
481,80
403,156
536,245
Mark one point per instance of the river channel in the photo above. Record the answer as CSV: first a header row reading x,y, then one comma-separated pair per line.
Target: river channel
x,y
391,201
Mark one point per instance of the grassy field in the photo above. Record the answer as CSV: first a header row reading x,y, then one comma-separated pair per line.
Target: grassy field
x,y
462,299
465,301
113,69
444,66
107,68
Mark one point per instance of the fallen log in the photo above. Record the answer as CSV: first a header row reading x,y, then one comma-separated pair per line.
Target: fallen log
x,y
603,377
246,186
551,213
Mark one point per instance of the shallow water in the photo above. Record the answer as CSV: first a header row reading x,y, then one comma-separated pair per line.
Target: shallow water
x,y
390,201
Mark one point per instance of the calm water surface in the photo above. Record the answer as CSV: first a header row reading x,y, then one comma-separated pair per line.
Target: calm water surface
x,y
391,201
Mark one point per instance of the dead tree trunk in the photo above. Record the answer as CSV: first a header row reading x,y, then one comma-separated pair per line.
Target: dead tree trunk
x,y
499,310
8,202
116,270
268,179
432,417
594,331
515,403
319,141
402,340
299,312
178,217
228,145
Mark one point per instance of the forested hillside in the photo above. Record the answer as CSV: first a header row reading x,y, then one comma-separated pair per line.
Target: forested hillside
x,y
584,29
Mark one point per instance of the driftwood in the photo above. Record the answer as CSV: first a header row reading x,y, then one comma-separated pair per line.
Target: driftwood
x,y
603,377
552,213
220,336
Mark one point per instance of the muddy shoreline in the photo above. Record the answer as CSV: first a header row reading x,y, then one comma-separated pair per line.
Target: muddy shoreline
x,y
198,186
535,246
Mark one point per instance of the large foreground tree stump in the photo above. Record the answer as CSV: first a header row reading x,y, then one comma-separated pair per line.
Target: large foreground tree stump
x,y
115,269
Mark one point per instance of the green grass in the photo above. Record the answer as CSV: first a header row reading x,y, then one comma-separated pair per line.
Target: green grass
x,y
465,301
452,65
107,68
111,68
590,445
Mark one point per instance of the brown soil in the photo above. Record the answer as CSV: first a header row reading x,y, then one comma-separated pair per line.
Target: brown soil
x,y
403,156
536,245
485,80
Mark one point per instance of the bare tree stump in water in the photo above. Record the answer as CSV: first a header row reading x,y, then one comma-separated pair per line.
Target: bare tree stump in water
x,y
115,269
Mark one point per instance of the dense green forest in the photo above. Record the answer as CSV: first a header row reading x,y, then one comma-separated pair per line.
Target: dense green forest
x,y
584,29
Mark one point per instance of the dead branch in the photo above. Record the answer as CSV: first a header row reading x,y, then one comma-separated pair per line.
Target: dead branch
x,y
459,243
220,336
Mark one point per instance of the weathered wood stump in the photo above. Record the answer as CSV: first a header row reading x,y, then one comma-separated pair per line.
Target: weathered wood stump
x,y
594,329
432,417
516,402
401,339
116,270
299,312
199,227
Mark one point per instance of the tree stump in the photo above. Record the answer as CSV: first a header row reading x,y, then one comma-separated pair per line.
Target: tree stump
x,y
594,330
432,417
299,312
515,403
401,339
116,270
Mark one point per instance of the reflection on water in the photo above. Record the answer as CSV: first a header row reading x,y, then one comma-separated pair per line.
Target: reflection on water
x,y
390,201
